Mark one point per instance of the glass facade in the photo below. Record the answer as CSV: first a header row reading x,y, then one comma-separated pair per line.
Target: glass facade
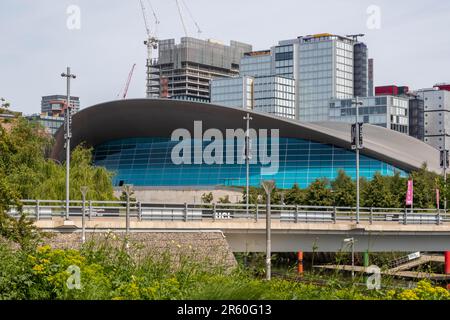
x,y
51,124
233,92
385,111
275,95
325,71
256,65
148,162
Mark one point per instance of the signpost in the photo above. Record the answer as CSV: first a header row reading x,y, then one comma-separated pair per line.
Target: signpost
x,y
410,195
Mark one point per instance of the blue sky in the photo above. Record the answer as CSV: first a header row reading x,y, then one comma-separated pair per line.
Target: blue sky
x,y
412,46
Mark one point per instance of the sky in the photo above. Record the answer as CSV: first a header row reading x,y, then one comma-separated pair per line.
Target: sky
x,y
409,39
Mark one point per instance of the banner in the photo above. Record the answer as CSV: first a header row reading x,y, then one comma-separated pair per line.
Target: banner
x,y
409,193
437,198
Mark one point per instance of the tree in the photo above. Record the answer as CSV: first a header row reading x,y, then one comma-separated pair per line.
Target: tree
x,y
225,199
207,197
397,187
295,196
377,193
319,193
425,183
344,190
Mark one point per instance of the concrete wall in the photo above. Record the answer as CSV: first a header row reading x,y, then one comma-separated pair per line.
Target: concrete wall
x,y
182,195
207,248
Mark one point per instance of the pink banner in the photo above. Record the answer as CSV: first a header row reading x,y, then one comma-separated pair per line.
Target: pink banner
x,y
409,193
437,197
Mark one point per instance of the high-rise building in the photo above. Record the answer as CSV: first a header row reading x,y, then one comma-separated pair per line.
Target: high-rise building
x,y
270,94
323,66
361,69
233,92
371,78
54,105
384,111
51,124
437,116
184,70
416,118
256,63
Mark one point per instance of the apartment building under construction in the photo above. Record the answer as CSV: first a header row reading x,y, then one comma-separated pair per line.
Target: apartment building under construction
x,y
184,70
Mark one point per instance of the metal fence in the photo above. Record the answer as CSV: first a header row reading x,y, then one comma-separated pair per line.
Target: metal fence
x,y
143,211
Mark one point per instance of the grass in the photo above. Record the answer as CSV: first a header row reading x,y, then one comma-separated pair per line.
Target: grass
x,y
120,273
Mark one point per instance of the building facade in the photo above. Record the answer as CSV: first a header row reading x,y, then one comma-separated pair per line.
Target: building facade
x,y
51,124
271,94
437,117
233,92
256,64
385,111
417,118
361,69
183,71
133,139
54,105
371,75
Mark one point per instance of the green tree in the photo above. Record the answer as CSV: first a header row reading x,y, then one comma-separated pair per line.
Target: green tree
x,y
377,193
225,199
344,190
425,183
207,197
319,193
397,187
295,196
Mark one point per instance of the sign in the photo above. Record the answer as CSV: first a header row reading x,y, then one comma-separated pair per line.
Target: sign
x,y
357,144
415,255
409,193
444,159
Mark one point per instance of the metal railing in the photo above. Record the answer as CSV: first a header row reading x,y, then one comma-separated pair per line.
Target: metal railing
x,y
48,209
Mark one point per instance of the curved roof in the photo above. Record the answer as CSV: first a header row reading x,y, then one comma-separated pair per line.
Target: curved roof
x,y
159,117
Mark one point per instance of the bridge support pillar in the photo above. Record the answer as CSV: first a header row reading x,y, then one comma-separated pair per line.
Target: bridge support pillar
x,y
300,263
447,262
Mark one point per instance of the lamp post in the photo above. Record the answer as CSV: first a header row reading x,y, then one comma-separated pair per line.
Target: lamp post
x,y
84,191
268,186
351,241
128,188
247,156
68,135
357,145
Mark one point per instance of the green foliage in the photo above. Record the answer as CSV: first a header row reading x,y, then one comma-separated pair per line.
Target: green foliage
x,y
319,193
344,190
117,272
425,183
380,191
224,199
377,193
26,172
207,197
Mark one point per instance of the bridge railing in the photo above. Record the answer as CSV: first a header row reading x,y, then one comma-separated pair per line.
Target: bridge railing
x,y
48,209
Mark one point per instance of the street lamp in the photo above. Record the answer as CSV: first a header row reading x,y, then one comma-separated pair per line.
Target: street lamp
x,y
128,188
84,190
247,156
268,186
357,144
67,136
351,241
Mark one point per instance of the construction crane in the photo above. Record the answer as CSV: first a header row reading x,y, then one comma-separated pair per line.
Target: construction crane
x,y
151,42
127,85
190,15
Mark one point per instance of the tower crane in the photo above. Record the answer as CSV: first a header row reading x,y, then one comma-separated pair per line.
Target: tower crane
x,y
127,85
190,15
151,42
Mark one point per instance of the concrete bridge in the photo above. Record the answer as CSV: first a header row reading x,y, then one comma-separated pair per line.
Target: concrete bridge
x,y
293,228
